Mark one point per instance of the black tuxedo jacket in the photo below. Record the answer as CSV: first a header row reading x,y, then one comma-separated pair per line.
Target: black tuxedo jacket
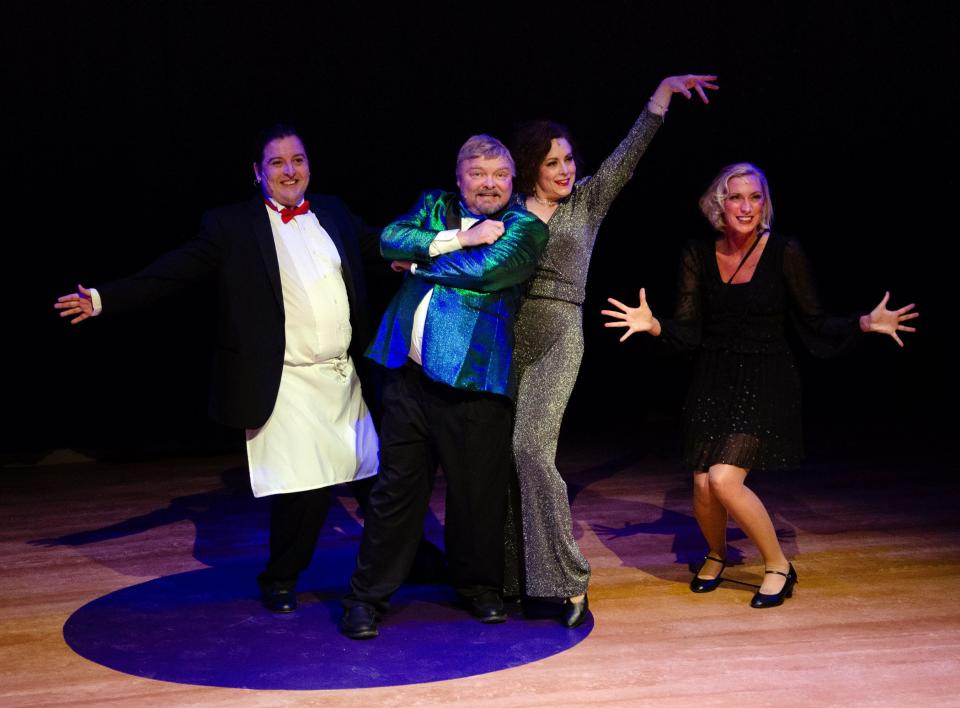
x,y
235,251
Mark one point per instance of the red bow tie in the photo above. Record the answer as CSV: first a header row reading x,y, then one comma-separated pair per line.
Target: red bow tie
x,y
287,213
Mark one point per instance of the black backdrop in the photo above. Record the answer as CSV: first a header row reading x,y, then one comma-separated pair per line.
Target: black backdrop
x,y
129,119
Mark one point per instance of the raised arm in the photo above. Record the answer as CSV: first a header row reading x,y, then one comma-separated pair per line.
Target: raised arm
x,y
619,166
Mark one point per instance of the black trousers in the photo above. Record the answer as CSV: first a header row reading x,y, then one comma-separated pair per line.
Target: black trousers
x,y
295,523
427,423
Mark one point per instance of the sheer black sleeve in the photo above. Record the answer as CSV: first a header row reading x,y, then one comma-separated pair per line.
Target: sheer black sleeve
x,y
824,335
684,330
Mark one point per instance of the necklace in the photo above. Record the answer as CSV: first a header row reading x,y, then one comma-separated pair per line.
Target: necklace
x,y
544,202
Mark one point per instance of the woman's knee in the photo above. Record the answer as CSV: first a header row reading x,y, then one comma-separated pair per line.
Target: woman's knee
x,y
725,480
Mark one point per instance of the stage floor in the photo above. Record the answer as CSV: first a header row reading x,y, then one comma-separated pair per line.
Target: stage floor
x,y
153,559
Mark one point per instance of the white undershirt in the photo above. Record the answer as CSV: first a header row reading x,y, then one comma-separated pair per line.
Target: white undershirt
x,y
444,242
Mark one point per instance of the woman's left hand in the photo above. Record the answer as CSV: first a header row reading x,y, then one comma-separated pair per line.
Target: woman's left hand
x,y
887,321
400,266
682,84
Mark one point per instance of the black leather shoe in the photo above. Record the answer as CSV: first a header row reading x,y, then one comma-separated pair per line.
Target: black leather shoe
x,y
282,601
761,601
699,584
488,608
359,622
574,613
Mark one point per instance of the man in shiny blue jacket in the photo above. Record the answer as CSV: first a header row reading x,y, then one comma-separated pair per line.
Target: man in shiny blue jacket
x,y
447,342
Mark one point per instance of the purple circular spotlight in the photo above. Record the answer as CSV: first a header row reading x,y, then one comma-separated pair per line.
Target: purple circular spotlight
x,y
206,627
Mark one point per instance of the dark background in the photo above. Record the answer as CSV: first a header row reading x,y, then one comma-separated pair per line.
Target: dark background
x,y
129,119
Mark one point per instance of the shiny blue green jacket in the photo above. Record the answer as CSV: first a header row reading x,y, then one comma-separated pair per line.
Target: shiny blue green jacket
x,y
468,335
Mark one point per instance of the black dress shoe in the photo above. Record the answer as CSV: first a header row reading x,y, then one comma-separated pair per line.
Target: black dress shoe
x,y
699,584
359,622
277,600
761,601
574,613
488,608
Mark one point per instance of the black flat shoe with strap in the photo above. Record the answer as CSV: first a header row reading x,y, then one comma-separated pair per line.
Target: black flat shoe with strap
x,y
699,584
761,601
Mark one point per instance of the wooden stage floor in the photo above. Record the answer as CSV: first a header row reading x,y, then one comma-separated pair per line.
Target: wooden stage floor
x,y
874,621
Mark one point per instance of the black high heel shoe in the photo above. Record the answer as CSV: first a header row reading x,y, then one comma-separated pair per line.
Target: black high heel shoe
x,y
699,584
574,613
760,601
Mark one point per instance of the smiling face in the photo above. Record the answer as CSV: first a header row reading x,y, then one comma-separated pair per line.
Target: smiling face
x,y
558,172
284,171
485,184
743,205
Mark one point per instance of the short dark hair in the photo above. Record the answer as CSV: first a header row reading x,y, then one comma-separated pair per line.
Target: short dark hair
x,y
267,135
531,143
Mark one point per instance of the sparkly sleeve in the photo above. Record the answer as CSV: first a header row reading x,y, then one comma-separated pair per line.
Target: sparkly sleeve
x,y
408,238
823,335
682,332
509,261
601,189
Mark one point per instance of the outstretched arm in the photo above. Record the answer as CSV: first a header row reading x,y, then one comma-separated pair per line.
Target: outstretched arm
x,y
682,332
193,262
827,335
887,321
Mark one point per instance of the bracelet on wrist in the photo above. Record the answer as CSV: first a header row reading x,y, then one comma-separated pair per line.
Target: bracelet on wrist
x,y
658,105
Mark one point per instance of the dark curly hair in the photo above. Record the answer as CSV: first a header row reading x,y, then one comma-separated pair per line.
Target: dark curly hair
x,y
530,144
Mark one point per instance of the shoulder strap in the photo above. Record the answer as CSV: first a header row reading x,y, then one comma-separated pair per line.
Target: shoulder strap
x,y
746,255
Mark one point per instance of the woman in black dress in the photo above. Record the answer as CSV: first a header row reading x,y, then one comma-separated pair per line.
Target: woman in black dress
x,y
743,407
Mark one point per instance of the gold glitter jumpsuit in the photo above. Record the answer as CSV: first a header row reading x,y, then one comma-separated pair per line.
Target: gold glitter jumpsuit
x,y
549,346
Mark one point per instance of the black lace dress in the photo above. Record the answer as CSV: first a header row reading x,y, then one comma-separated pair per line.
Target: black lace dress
x,y
743,406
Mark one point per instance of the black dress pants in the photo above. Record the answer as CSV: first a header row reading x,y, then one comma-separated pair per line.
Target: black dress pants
x,y
296,520
468,434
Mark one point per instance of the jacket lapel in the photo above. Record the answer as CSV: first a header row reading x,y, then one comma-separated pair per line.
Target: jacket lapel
x,y
264,237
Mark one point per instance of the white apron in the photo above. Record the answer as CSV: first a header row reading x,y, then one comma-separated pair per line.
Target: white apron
x,y
320,432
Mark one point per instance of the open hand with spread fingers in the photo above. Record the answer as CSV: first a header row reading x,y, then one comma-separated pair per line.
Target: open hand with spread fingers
x,y
635,319
890,322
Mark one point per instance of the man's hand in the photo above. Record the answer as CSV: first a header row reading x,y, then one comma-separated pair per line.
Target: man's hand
x,y
78,304
483,233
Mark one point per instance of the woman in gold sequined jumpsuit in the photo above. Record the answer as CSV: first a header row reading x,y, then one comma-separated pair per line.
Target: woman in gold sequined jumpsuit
x,y
549,331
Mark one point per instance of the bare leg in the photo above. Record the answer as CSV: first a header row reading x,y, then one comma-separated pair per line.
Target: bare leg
x,y
711,516
726,485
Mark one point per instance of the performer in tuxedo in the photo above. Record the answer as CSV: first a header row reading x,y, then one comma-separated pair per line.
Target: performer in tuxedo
x,y
291,296
447,342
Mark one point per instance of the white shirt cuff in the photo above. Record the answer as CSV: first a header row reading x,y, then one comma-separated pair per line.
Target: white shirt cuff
x,y
96,302
445,242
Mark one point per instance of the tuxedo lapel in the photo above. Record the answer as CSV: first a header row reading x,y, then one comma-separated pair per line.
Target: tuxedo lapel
x,y
264,236
452,214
